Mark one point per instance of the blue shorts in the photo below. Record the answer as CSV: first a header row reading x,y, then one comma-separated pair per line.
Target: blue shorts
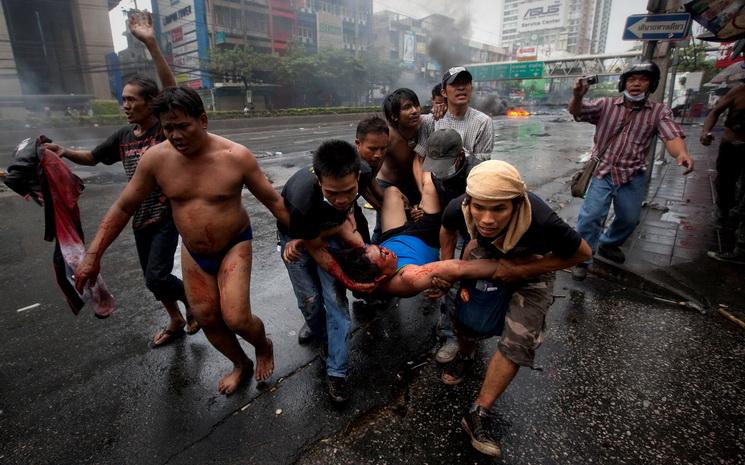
x,y
210,264
410,250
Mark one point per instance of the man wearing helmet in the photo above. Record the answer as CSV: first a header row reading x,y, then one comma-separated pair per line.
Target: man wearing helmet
x,y
625,127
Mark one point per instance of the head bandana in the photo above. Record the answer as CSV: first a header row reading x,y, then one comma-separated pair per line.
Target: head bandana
x,y
498,180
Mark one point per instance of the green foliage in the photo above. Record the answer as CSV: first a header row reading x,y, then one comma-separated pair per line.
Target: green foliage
x,y
693,58
105,107
327,78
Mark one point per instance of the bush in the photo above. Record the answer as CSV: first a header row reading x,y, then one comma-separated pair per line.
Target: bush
x,y
105,107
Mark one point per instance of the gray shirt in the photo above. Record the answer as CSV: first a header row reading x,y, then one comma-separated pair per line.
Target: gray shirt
x,y
474,127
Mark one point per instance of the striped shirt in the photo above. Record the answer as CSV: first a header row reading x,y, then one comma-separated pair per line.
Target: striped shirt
x,y
475,128
628,150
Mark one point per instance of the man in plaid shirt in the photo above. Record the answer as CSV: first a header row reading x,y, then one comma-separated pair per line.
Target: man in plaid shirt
x,y
625,127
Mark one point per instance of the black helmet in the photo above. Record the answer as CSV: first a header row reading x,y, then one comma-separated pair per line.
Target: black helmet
x,y
645,67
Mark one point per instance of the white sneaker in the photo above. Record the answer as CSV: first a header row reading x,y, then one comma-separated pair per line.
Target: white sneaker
x,y
447,352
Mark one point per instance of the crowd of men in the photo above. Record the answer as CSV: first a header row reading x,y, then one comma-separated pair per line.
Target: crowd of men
x,y
439,193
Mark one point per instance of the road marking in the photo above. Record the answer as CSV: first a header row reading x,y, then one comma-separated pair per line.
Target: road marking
x,y
30,307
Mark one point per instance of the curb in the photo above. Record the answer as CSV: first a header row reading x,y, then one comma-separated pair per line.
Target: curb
x,y
655,282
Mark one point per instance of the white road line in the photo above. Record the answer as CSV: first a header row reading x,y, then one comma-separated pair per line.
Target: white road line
x,y
30,307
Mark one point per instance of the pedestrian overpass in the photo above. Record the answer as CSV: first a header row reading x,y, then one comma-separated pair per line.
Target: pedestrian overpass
x,y
553,68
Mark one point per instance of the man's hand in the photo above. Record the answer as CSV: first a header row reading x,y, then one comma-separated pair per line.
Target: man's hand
x,y
706,138
87,271
416,213
685,161
439,110
292,250
141,26
439,288
56,148
580,87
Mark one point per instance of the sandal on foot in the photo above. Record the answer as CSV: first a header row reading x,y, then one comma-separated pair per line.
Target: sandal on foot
x,y
166,336
456,371
192,327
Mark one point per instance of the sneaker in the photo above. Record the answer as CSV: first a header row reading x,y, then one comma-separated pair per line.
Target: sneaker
x,y
447,352
305,335
456,371
476,424
612,253
728,257
579,272
338,389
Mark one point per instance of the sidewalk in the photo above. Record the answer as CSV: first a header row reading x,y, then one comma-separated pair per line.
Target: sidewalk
x,y
666,255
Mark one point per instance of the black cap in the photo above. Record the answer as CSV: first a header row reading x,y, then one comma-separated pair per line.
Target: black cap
x,y
453,73
443,148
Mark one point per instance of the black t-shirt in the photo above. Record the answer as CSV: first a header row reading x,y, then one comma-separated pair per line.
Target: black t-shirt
x,y
124,146
310,213
451,188
547,232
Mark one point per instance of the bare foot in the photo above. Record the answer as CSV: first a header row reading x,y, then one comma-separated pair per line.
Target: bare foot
x,y
230,382
265,361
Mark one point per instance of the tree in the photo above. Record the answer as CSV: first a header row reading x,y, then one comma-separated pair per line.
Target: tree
x,y
235,64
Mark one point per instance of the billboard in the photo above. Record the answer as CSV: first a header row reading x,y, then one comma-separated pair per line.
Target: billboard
x,y
536,15
329,30
181,26
408,50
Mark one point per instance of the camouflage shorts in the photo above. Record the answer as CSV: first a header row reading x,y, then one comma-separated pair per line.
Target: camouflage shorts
x,y
524,323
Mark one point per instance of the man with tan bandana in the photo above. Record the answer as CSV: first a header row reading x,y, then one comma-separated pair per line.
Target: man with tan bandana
x,y
508,223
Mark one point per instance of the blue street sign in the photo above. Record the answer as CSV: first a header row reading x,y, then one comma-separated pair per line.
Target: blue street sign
x,y
668,26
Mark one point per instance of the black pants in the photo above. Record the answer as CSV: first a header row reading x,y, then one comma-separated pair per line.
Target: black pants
x,y
156,245
730,165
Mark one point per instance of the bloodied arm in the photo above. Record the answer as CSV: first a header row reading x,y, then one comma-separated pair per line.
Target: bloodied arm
x,y
317,249
413,279
142,183
257,182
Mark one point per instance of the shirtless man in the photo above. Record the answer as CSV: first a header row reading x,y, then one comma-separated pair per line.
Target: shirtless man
x,y
730,167
202,174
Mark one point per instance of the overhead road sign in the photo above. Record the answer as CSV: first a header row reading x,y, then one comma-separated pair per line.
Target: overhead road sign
x,y
668,26
504,71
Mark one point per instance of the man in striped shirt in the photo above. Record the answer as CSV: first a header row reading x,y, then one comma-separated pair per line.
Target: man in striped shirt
x,y
625,128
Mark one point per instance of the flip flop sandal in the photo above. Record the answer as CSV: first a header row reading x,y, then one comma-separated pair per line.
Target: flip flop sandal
x,y
192,327
166,336
456,371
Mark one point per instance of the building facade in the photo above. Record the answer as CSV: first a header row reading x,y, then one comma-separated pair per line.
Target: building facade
x,y
54,53
577,27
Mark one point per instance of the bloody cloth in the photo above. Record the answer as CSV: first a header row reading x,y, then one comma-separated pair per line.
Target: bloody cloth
x,y
40,174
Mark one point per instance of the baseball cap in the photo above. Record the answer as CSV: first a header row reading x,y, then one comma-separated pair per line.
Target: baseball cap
x,y
443,148
452,74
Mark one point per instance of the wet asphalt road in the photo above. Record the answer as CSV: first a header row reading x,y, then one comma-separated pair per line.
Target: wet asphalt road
x,y
625,379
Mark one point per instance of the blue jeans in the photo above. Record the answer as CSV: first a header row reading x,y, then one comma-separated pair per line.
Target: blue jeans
x,y
627,203
323,302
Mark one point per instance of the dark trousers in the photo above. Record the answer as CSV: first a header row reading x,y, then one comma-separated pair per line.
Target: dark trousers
x,y
156,245
730,165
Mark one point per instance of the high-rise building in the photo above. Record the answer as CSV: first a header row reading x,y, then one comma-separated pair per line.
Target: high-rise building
x,y
574,26
51,47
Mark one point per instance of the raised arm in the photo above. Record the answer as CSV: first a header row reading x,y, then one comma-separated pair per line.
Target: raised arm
x,y
141,26
578,92
257,182
137,189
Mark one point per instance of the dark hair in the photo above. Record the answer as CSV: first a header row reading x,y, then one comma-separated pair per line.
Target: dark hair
x,y
371,125
181,98
356,265
336,159
392,104
148,87
437,90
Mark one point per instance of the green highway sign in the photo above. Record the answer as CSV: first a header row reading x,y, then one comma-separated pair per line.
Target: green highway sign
x,y
503,71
